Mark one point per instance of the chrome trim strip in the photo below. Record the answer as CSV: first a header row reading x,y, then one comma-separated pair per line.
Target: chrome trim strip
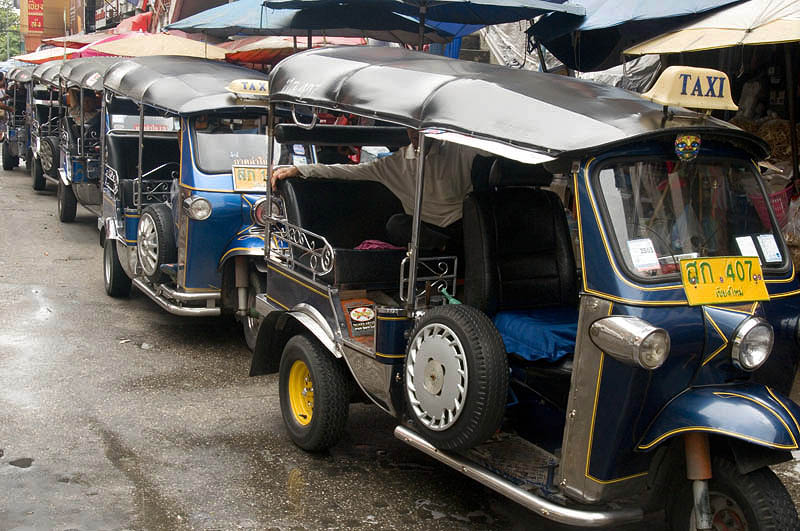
x,y
172,308
542,507
194,296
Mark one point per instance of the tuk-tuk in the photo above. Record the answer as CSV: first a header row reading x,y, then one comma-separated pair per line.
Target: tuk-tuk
x,y
46,114
81,81
616,337
183,209
16,142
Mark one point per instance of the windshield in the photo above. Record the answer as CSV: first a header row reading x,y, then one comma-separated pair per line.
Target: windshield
x,y
224,141
663,211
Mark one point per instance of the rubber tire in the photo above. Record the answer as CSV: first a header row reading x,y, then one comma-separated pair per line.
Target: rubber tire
x,y
255,286
487,377
39,182
760,494
115,280
331,395
9,161
67,203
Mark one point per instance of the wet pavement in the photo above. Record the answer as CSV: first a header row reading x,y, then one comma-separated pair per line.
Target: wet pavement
x,y
117,415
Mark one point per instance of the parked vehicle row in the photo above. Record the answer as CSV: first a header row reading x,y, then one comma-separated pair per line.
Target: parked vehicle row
x,y
615,335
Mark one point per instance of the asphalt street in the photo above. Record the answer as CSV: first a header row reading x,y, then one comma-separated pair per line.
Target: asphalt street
x,y
115,415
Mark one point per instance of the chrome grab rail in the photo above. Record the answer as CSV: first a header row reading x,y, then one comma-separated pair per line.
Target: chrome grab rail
x,y
289,241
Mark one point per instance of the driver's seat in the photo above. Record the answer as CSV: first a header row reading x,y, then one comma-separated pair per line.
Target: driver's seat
x,y
519,264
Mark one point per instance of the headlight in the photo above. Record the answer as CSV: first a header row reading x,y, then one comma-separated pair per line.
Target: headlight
x,y
631,340
752,344
197,207
259,212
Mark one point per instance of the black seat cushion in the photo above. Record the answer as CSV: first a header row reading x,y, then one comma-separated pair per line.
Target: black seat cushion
x,y
517,250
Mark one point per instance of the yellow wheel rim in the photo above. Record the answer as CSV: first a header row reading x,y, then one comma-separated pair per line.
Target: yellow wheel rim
x,y
301,392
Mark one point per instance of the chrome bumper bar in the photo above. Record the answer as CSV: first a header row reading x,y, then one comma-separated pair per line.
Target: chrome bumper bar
x,y
174,308
540,506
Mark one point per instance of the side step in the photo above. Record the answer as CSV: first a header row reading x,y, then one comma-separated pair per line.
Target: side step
x,y
537,504
174,308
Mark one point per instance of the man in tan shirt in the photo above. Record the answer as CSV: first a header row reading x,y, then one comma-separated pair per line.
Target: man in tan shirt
x,y
448,170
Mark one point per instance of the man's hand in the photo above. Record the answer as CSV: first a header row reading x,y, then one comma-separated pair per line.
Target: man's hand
x,y
283,173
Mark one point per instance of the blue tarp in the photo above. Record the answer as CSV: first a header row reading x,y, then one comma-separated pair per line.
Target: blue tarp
x,y
542,334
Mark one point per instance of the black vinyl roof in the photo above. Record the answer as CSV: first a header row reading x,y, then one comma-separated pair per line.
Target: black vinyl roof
x,y
542,113
86,72
20,74
178,84
48,72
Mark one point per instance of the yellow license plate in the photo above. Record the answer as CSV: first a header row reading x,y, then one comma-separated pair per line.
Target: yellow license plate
x,y
723,280
249,178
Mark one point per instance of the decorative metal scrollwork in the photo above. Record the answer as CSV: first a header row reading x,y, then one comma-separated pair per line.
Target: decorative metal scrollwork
x,y
436,272
301,249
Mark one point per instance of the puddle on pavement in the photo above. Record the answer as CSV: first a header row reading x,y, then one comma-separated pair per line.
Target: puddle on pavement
x,y
22,462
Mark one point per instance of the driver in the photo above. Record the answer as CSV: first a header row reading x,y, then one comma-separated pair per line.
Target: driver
x,y
448,171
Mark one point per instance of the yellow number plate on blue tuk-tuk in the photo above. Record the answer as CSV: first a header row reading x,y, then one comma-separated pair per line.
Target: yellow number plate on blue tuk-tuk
x,y
249,178
723,280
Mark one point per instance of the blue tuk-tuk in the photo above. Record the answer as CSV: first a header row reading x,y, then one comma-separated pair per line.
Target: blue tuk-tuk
x,y
183,195
617,332
16,143
46,114
81,80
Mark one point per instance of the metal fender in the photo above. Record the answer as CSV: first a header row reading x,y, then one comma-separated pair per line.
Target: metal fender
x,y
64,177
749,412
110,226
313,320
245,244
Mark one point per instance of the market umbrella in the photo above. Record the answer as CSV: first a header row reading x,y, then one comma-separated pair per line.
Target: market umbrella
x,y
473,12
142,44
251,17
752,23
75,41
270,50
595,41
48,54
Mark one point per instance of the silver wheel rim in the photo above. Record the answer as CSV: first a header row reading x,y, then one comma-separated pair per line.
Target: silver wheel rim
x,y
251,324
436,376
728,515
46,157
147,245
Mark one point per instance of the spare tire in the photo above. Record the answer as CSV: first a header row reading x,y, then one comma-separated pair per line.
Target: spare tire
x,y
456,377
49,155
155,242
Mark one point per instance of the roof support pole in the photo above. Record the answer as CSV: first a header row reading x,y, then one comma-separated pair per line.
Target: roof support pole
x,y
82,140
270,169
788,50
413,248
422,10
141,148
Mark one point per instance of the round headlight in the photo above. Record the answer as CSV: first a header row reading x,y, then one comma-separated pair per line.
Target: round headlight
x,y
752,344
259,212
653,350
199,208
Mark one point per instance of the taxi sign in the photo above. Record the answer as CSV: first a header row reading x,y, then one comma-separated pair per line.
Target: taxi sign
x,y
696,88
723,280
249,87
249,178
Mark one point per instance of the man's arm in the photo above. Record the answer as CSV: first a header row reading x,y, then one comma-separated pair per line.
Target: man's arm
x,y
374,170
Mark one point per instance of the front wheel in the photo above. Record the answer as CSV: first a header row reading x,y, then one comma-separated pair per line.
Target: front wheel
x,y
757,501
314,394
117,282
67,203
37,173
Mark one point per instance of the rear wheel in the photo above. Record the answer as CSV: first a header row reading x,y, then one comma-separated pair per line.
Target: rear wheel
x,y
67,203
39,182
314,394
117,282
9,160
756,501
155,242
456,377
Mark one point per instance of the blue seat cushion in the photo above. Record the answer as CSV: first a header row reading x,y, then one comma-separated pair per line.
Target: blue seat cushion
x,y
541,334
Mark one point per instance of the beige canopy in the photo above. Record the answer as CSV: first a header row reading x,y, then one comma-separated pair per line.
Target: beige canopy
x,y
748,23
48,54
160,44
